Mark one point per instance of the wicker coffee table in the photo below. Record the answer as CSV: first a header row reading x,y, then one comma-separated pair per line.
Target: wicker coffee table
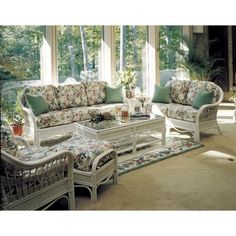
x,y
130,137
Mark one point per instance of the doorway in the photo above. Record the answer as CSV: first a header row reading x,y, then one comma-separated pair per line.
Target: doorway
x,y
218,35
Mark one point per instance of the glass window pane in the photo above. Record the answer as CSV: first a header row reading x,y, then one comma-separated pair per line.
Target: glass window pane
x,y
78,52
130,46
20,52
170,42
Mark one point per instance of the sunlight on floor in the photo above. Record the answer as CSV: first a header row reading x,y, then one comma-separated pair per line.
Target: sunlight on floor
x,y
217,154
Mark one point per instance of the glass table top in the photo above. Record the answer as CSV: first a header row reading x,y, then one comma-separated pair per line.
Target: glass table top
x,y
109,124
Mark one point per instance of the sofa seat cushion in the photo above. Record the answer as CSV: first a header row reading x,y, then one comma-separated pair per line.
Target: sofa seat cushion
x,y
54,118
85,151
197,86
182,112
95,91
160,109
179,90
49,92
72,95
79,113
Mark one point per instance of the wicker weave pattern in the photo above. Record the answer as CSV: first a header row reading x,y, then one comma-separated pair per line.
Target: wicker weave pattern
x,y
20,179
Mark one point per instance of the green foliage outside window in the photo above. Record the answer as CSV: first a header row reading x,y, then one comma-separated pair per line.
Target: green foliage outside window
x,y
20,52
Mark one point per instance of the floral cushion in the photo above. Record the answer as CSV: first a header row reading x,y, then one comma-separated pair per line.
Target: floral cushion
x,y
49,92
84,149
79,113
179,90
34,153
196,86
95,91
54,118
71,95
80,98
182,112
8,143
160,109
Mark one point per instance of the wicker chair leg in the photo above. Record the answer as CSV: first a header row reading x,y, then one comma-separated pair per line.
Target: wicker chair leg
x,y
94,195
196,136
71,200
115,177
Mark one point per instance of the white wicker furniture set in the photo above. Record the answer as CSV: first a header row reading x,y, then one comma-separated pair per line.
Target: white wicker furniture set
x,y
181,114
39,176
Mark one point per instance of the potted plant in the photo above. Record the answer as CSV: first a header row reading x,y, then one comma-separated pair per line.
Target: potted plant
x,y
199,66
11,111
127,78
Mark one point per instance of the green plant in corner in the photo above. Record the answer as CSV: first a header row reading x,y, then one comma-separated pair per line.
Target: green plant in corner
x,y
198,65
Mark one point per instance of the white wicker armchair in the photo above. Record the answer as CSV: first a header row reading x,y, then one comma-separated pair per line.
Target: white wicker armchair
x,y
36,184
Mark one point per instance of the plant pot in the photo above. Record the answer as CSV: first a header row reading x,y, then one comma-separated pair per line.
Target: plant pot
x,y
17,129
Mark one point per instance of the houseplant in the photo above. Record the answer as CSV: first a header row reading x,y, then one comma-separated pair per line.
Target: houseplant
x,y
11,111
198,65
127,78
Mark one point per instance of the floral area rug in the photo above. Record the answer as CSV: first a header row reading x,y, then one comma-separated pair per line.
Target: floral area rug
x,y
174,146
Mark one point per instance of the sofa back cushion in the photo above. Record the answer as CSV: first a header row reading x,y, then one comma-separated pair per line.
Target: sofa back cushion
x,y
95,91
49,92
178,91
8,143
197,86
161,94
71,95
37,104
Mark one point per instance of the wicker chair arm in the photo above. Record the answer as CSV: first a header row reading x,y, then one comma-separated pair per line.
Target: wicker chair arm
x,y
213,107
110,154
34,164
22,141
29,116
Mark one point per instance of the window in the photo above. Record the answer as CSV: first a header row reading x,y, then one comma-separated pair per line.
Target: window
x,y
130,51
78,52
20,52
171,38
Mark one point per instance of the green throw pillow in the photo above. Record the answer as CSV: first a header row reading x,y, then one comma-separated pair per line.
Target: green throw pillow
x,y
37,104
113,95
161,94
202,97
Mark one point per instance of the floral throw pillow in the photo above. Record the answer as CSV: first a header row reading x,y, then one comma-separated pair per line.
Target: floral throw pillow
x,y
8,143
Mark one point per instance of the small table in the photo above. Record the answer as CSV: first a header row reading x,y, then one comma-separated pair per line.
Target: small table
x,y
126,135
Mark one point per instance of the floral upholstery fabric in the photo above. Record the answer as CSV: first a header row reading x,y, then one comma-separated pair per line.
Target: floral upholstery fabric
x,y
181,112
95,91
54,118
34,153
196,86
79,113
49,92
179,90
160,109
8,143
71,96
84,149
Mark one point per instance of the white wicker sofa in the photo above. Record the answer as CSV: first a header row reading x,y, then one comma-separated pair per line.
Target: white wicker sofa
x,y
36,181
181,114
67,104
